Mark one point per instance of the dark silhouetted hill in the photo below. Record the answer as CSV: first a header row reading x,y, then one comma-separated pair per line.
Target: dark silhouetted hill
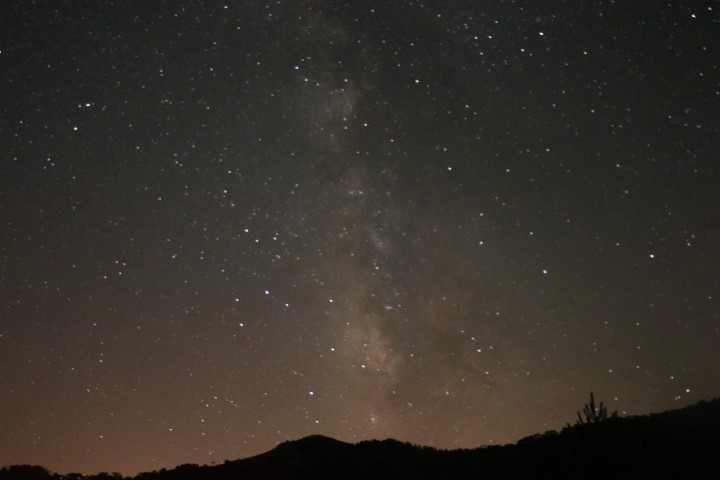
x,y
682,443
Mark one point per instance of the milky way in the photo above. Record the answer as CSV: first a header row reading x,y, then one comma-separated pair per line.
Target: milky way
x,y
228,224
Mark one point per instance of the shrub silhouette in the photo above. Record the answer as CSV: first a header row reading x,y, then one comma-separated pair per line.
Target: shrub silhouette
x,y
592,413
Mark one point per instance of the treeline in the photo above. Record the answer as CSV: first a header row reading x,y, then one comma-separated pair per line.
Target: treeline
x,y
36,472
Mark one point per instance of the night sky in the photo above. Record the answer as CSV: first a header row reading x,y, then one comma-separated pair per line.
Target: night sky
x,y
228,224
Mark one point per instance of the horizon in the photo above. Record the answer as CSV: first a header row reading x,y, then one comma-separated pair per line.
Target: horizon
x,y
354,442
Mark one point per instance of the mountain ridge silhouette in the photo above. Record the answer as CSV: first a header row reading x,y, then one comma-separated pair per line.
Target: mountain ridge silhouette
x,y
681,443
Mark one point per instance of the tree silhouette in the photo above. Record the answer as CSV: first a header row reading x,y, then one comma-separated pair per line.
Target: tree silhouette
x,y
25,472
592,413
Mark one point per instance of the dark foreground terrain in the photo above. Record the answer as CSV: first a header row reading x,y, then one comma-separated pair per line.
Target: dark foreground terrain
x,y
681,443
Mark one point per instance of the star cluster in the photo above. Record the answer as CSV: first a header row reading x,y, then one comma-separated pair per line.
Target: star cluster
x,y
227,224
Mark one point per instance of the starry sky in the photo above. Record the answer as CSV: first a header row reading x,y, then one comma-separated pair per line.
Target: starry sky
x,y
224,224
